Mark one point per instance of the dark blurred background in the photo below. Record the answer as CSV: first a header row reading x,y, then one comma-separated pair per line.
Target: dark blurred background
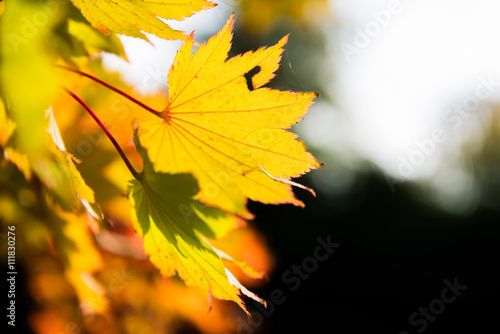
x,y
398,241
393,257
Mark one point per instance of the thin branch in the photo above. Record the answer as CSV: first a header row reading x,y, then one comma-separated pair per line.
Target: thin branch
x,y
131,168
116,90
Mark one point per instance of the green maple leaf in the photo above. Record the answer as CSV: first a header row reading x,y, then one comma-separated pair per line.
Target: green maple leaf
x,y
173,226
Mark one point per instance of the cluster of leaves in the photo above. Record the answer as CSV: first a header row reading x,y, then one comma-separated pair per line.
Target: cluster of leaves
x,y
214,145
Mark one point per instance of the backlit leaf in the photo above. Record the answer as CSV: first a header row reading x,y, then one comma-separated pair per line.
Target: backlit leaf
x,y
130,17
229,137
173,226
93,40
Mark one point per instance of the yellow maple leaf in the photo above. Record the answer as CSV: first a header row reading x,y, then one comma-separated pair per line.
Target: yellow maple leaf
x,y
130,17
230,138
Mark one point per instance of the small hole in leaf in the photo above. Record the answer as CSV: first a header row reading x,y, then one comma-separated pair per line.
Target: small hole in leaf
x,y
249,75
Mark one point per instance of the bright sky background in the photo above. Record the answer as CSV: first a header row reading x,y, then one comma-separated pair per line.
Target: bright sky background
x,y
406,82
428,57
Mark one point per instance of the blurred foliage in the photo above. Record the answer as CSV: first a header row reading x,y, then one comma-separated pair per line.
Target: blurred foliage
x,y
103,283
261,16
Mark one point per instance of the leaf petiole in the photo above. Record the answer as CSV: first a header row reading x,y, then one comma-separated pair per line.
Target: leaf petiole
x,y
116,90
127,162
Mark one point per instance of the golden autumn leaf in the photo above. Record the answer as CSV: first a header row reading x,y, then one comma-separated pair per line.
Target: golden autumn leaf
x,y
230,138
130,17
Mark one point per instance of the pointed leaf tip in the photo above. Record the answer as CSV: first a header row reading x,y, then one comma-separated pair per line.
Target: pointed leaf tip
x,y
220,131
132,17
